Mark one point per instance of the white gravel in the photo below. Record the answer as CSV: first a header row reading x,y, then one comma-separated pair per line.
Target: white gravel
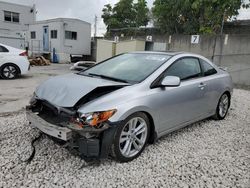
x,y
206,154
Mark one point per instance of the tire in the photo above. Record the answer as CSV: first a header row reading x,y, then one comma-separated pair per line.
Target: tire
x,y
9,71
131,137
222,107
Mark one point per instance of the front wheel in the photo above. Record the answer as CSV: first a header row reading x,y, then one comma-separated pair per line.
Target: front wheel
x,y
222,107
131,137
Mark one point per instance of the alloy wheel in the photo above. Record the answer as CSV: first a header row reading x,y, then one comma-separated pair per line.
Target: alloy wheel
x,y
223,105
9,71
133,137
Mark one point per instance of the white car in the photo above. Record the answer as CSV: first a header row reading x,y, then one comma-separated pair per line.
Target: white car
x,y
13,62
82,65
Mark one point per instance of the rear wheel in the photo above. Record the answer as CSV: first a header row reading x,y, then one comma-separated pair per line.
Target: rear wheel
x,y
222,107
9,71
131,138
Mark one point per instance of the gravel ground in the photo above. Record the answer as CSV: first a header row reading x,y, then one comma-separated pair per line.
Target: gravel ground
x,y
206,154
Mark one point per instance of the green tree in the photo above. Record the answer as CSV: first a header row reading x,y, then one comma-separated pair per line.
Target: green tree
x,y
125,14
194,16
108,18
142,13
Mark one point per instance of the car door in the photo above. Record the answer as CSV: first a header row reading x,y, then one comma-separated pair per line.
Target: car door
x,y
178,105
211,82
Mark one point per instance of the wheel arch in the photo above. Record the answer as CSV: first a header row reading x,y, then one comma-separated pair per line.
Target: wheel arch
x,y
152,134
152,131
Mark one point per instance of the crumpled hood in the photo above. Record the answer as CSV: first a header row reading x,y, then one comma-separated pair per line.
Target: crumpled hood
x,y
67,90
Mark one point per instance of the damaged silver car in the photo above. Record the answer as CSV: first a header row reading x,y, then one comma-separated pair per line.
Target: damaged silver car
x,y
119,105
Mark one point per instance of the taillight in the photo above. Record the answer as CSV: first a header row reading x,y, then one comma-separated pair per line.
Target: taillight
x,y
23,53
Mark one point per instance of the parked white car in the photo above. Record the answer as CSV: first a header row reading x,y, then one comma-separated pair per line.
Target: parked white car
x,y
82,65
13,62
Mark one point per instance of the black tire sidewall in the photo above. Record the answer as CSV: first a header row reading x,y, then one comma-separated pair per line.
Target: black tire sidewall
x,y
115,146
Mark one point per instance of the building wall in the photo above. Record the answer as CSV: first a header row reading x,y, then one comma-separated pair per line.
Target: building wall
x,y
128,46
83,42
104,50
36,45
14,41
233,52
63,47
25,17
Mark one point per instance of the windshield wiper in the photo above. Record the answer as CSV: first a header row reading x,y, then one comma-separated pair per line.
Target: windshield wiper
x,y
108,77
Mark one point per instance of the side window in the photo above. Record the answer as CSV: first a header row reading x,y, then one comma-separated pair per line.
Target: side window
x,y
11,16
53,34
207,68
185,68
15,17
71,35
3,49
32,34
7,16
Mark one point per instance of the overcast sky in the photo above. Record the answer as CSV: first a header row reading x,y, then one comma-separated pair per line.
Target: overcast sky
x,y
82,9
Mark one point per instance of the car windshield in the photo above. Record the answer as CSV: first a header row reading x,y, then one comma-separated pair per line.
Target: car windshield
x,y
130,67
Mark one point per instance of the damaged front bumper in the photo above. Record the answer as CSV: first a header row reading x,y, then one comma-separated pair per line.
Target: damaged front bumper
x,y
62,133
89,142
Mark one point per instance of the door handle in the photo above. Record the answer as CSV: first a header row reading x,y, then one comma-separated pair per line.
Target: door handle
x,y
202,85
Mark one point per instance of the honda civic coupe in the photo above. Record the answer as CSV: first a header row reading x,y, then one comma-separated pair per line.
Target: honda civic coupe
x,y
13,62
118,106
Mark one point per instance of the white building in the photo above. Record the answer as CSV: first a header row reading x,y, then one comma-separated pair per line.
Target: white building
x,y
66,35
14,22
19,28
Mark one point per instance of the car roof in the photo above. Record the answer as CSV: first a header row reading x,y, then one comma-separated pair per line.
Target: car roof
x,y
170,53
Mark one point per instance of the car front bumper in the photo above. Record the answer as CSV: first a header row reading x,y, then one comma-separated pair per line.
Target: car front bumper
x,y
62,133
94,147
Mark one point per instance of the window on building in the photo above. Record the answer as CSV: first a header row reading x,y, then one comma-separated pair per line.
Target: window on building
x,y
71,35
32,34
53,34
74,35
7,16
11,16
15,17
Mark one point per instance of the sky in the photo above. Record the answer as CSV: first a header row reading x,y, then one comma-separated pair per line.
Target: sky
x,y
82,9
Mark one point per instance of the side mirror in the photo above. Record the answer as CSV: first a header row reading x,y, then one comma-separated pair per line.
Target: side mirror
x,y
171,81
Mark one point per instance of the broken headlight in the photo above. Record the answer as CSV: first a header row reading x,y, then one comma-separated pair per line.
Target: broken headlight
x,y
33,99
95,118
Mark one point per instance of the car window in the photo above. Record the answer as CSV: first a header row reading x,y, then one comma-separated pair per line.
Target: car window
x,y
207,68
131,67
184,68
3,49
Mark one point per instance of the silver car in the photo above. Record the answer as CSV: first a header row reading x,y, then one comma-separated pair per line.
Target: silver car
x,y
119,105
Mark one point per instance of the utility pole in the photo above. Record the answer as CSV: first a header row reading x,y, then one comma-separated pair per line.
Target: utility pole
x,y
222,22
221,36
95,26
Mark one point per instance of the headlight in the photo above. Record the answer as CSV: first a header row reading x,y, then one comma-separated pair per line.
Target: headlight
x,y
33,99
94,118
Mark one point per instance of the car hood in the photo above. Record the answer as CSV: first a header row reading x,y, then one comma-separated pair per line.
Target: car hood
x,y
67,90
